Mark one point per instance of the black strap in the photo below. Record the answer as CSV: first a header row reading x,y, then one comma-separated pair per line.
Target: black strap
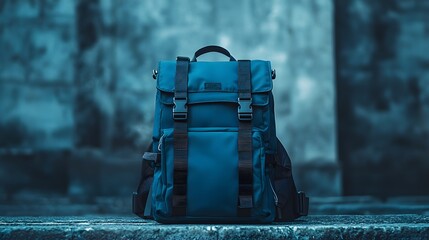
x,y
245,163
148,206
303,203
142,195
180,116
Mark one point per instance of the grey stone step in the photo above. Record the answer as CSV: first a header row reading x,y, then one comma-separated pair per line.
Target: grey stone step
x,y
40,205
129,227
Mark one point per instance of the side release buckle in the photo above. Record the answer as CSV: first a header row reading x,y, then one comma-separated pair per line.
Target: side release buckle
x,y
180,110
245,109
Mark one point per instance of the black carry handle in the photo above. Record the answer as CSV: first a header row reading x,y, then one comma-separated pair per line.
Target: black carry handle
x,y
212,48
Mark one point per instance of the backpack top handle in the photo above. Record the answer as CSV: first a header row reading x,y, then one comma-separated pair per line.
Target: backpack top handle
x,y
212,48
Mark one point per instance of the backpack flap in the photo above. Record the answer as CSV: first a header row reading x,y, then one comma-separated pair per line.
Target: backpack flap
x,y
213,87
215,76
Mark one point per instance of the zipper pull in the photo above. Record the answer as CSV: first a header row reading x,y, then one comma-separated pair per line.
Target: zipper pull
x,y
160,143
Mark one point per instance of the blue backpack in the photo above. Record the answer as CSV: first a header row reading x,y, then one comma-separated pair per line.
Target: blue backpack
x,y
215,157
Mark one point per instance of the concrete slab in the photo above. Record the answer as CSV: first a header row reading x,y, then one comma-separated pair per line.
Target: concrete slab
x,y
325,227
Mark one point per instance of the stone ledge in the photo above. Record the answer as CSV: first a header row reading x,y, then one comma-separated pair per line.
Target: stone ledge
x,y
129,227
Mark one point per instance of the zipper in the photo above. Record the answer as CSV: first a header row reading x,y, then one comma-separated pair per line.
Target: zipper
x,y
276,201
160,145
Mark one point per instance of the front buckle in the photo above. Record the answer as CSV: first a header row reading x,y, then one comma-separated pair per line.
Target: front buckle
x,y
245,109
180,110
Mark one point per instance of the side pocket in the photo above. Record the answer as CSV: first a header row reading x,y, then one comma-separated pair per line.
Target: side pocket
x,y
167,163
161,176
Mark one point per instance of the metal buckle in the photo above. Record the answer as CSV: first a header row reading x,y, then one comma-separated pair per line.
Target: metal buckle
x,y
273,74
180,110
245,109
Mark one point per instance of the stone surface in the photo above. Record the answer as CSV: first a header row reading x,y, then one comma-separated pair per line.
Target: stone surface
x,y
100,202
315,227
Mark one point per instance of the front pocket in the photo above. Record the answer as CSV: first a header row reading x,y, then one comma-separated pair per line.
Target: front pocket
x,y
212,174
212,189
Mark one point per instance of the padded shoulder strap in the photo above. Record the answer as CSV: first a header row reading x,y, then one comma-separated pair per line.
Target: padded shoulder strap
x,y
292,203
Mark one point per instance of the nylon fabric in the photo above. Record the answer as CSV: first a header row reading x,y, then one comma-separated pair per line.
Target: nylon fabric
x,y
214,154
224,73
213,181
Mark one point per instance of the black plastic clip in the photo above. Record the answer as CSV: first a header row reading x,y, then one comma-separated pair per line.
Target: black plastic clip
x,y
245,109
303,202
138,200
180,110
153,158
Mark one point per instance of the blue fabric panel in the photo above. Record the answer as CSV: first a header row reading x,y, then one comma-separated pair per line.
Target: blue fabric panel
x,y
222,74
212,174
216,115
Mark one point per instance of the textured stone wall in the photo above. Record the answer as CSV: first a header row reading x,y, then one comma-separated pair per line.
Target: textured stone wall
x,y
38,48
75,78
383,96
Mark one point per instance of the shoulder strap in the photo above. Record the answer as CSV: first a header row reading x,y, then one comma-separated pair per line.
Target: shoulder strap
x,y
291,203
141,198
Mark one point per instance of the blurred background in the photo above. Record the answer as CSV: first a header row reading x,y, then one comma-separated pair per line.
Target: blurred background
x,y
77,96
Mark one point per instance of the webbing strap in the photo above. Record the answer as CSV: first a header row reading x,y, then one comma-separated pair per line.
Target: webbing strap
x,y
245,165
180,116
